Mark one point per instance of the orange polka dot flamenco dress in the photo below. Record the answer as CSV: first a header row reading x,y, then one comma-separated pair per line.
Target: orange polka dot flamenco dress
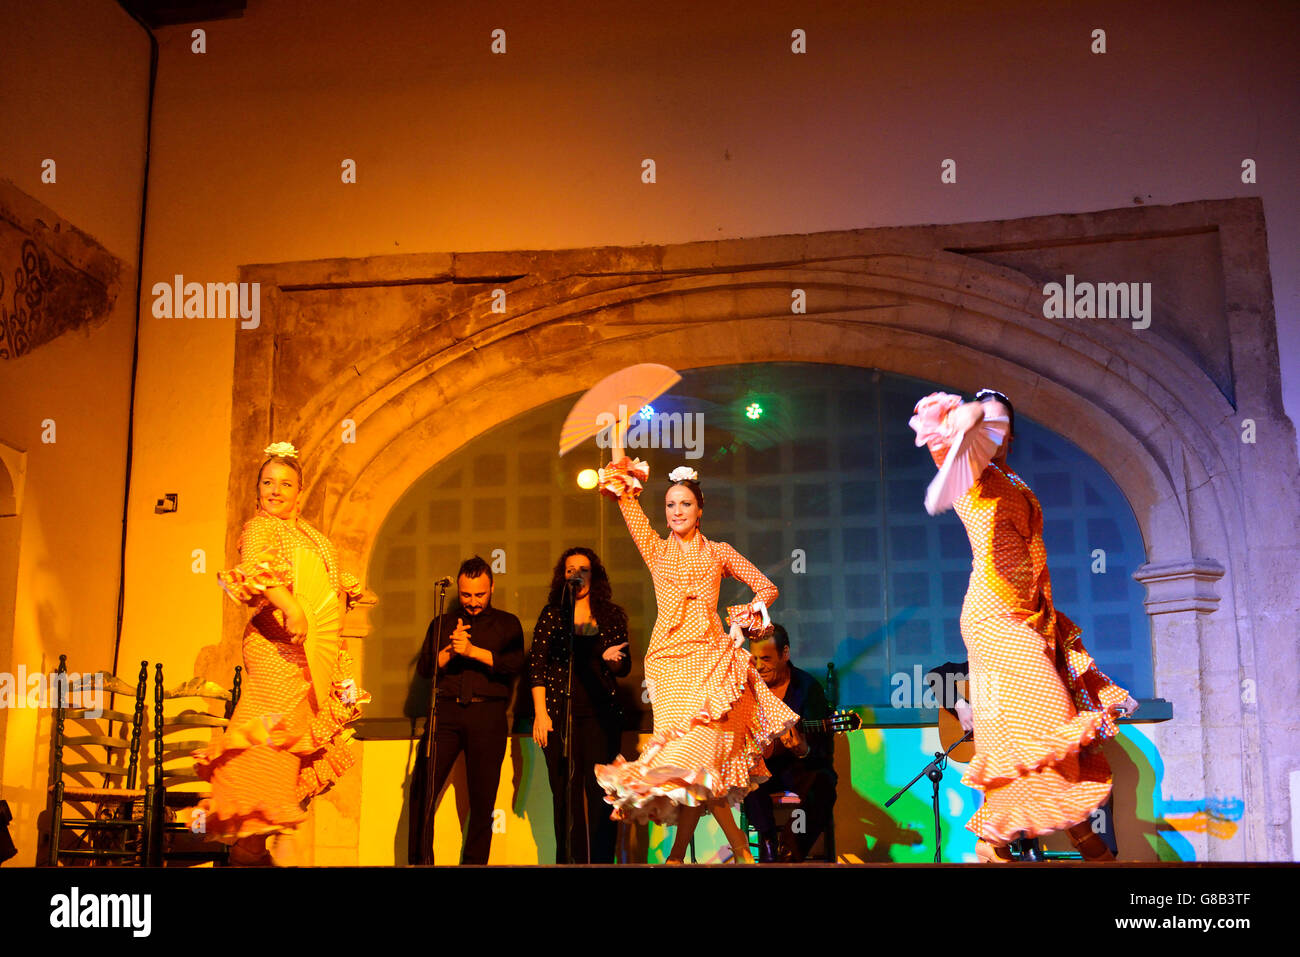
x,y
287,740
1040,704
714,718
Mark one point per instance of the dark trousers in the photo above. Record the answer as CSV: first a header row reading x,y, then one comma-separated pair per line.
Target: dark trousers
x,y
479,729
593,743
816,790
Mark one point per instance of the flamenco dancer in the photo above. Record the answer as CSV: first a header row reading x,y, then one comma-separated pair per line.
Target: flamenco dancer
x,y
287,741
714,717
1041,705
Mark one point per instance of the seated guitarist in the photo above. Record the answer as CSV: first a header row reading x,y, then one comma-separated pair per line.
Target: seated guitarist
x,y
801,763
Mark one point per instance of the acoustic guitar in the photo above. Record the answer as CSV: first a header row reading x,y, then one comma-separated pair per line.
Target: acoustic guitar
x,y
951,731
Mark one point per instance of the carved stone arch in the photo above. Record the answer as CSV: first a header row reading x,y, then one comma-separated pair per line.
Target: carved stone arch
x,y
928,318
13,469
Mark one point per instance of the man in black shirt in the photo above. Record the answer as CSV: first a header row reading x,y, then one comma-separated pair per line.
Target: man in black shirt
x,y
800,763
480,653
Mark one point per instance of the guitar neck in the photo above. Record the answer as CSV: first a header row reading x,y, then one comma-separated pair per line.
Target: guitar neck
x,y
826,726
837,723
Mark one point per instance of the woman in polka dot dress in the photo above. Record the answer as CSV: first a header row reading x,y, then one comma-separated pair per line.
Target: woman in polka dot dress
x,y
1040,704
714,718
283,745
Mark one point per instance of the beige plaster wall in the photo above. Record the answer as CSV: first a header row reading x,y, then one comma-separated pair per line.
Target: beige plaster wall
x,y
74,89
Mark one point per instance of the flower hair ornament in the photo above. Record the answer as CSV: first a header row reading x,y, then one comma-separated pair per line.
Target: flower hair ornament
x,y
683,473
284,450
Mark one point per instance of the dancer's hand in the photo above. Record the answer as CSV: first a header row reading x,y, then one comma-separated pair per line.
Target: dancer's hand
x,y
737,636
1128,706
541,728
617,440
965,714
614,653
964,417
460,638
295,620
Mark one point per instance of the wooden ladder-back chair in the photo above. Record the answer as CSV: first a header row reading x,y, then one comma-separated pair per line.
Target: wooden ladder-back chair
x,y
175,737
114,826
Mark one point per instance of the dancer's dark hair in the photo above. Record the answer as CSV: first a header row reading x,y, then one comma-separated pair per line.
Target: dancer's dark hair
x,y
694,486
984,395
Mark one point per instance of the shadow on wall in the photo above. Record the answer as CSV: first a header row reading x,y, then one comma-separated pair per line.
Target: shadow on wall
x,y
878,762
1163,823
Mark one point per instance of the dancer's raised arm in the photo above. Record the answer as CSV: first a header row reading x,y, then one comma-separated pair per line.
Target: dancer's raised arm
x,y
623,480
963,439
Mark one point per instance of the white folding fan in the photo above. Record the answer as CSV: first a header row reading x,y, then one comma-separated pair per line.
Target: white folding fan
x,y
320,603
620,394
968,457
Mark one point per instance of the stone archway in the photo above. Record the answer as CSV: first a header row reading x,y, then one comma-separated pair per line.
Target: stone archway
x,y
13,470
416,355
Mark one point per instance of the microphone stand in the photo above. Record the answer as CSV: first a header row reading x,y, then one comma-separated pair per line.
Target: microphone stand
x,y
571,610
934,771
431,725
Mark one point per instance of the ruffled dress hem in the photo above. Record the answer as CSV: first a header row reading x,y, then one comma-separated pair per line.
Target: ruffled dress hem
x,y
990,770
641,792
1035,818
323,747
1029,822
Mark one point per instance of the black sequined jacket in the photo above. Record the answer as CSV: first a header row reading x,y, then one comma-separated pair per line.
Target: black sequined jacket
x,y
548,660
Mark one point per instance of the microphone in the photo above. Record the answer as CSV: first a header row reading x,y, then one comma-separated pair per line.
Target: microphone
x,y
575,579
444,581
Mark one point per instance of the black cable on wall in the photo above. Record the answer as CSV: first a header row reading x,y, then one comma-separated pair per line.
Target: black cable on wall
x,y
135,340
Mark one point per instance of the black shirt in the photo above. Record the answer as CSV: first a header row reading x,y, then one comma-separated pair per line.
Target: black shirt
x,y
804,696
491,629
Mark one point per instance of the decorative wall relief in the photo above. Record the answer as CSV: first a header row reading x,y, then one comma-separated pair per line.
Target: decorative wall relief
x,y
53,278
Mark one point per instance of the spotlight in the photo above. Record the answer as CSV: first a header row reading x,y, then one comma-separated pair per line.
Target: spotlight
x,y
647,413
587,479
754,411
